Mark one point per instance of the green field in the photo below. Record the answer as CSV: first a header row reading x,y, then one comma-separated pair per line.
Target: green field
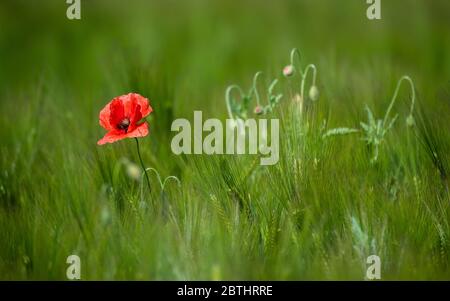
x,y
315,215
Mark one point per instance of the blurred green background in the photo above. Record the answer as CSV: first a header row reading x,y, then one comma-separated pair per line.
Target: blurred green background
x,y
56,74
183,54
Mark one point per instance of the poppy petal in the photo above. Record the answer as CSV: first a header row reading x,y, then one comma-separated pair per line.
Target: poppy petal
x,y
145,107
131,106
135,118
132,101
139,131
116,112
111,137
129,103
104,118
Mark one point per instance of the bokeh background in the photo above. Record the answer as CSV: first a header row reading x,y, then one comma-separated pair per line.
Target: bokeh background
x,y
56,74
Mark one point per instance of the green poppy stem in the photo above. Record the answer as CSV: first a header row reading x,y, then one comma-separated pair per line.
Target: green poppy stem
x,y
142,164
394,98
255,88
305,74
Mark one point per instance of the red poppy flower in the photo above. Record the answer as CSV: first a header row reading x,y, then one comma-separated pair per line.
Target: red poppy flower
x,y
122,118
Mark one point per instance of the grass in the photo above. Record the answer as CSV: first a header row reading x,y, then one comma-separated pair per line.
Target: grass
x,y
317,214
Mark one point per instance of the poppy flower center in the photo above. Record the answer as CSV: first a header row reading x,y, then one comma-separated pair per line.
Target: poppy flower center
x,y
123,125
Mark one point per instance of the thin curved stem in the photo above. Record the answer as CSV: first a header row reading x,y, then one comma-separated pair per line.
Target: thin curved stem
x,y
255,87
310,66
293,53
394,98
161,183
228,98
157,175
314,69
270,90
142,164
168,178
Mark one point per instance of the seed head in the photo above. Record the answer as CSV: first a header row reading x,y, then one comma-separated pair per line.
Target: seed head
x,y
288,71
124,124
314,93
410,120
133,171
258,110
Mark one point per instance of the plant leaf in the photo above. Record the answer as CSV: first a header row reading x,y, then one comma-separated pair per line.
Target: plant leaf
x,y
339,131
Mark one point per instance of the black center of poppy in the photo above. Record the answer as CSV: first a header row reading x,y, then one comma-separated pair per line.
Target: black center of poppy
x,y
123,125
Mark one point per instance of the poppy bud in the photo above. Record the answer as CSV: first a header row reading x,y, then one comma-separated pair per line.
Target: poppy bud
x,y
410,120
258,110
288,71
314,93
133,171
297,98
